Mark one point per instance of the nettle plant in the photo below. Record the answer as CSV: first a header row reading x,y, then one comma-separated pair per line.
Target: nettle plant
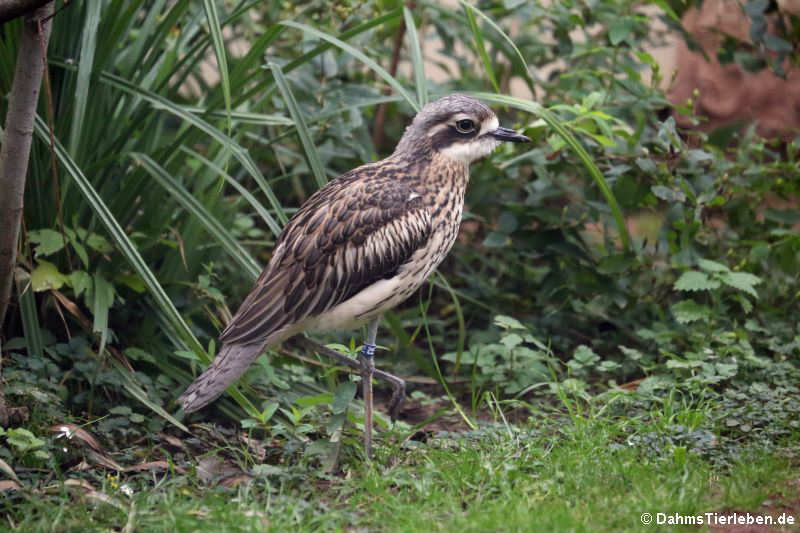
x,y
711,280
509,358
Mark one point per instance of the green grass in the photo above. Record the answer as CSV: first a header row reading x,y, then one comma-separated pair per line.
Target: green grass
x,y
553,473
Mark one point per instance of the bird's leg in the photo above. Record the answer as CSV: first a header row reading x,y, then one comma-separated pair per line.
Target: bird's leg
x,y
398,385
367,371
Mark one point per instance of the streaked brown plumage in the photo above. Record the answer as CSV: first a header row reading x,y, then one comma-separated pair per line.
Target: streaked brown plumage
x,y
363,243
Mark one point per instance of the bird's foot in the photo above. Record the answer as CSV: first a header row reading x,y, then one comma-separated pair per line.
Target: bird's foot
x,y
398,397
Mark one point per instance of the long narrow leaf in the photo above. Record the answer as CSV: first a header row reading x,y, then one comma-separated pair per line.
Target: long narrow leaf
x,y
265,87
215,29
190,203
310,150
135,390
524,64
242,117
126,247
259,208
88,46
30,320
238,152
575,146
352,32
131,254
480,47
417,61
377,69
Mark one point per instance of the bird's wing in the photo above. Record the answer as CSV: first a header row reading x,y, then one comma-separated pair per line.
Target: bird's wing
x,y
347,236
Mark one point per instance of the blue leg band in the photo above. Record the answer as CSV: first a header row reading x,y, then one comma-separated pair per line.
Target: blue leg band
x,y
368,350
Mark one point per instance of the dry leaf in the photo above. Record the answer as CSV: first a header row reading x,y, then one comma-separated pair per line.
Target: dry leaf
x,y
9,471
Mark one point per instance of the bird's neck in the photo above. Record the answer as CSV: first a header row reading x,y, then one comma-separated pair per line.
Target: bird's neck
x,y
431,173
439,178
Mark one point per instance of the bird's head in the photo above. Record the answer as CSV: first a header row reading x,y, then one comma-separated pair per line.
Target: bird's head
x,y
456,126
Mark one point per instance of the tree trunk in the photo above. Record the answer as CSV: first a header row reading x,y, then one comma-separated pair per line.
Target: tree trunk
x,y
16,148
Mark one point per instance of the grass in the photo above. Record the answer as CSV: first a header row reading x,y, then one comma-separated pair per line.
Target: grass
x,y
554,472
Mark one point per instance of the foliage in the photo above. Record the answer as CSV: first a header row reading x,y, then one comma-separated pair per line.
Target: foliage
x,y
619,253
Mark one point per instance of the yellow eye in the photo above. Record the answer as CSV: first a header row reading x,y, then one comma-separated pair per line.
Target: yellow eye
x,y
465,126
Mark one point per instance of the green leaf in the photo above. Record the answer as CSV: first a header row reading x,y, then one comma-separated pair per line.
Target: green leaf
x,y
122,410
647,165
99,243
23,440
495,239
609,366
134,388
238,152
267,413
193,206
690,311
132,255
34,341
215,29
48,242
585,356
575,146
667,194
46,277
507,223
103,301
695,281
520,58
511,340
743,281
344,394
616,263
776,44
80,281
132,281
712,266
380,71
782,216
88,46
416,57
480,47
619,30
309,149
507,322
631,353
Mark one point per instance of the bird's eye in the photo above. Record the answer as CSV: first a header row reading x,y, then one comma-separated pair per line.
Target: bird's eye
x,y
465,126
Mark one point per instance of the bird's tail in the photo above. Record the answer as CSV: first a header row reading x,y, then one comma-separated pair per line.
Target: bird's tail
x,y
230,363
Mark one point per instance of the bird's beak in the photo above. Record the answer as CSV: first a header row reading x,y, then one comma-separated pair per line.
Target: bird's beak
x,y
509,135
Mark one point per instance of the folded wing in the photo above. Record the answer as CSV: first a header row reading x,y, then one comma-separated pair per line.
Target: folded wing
x,y
346,237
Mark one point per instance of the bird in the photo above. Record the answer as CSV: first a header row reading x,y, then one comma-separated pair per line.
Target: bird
x,y
361,245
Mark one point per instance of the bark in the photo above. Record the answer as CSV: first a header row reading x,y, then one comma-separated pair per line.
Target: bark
x,y
15,151
16,147
11,9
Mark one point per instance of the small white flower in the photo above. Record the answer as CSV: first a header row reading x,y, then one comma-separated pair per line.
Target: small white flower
x,y
126,489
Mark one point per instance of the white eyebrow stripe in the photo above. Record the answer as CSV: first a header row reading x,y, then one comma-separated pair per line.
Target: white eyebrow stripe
x,y
436,129
489,125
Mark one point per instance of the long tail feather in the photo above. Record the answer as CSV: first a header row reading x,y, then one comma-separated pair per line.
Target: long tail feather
x,y
230,363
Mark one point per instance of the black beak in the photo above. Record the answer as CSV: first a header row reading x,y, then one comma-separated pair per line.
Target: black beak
x,y
509,135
